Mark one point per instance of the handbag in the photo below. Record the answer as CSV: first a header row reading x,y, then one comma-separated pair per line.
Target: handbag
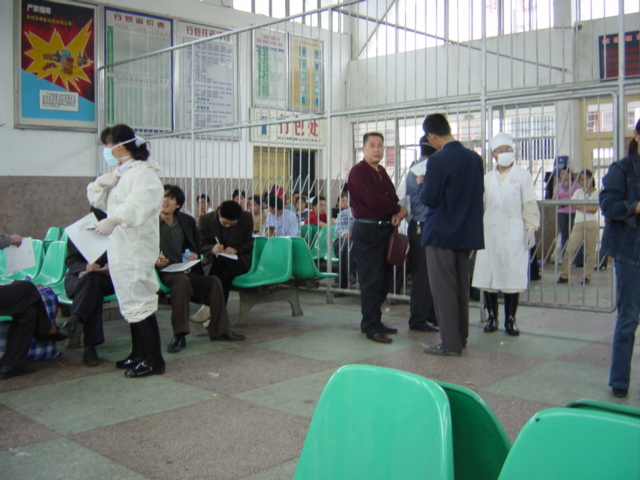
x,y
397,248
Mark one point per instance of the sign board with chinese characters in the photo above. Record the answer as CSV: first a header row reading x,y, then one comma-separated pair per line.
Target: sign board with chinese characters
x,y
294,132
205,78
55,71
307,74
138,93
270,69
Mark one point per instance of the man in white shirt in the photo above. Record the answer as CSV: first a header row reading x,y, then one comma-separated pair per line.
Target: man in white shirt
x,y
280,222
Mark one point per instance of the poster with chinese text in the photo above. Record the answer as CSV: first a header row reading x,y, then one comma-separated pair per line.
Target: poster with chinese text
x,y
270,69
307,74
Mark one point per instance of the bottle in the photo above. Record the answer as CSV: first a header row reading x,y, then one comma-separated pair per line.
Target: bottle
x,y
186,256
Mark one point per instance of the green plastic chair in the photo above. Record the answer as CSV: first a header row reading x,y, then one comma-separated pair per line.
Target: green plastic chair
x,y
572,444
480,444
597,405
53,235
5,318
275,265
38,251
319,249
258,247
64,236
64,300
3,263
375,423
309,232
53,265
303,265
162,288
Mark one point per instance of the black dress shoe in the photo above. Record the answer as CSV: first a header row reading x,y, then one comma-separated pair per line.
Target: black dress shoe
x,y
69,328
177,343
144,370
59,336
90,357
440,350
8,372
230,336
425,327
379,337
620,392
386,329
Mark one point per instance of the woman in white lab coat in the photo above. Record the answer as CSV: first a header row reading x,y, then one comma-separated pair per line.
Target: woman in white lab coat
x,y
511,217
132,195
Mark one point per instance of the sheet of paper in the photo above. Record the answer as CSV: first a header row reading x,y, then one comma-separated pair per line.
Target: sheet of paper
x,y
228,255
419,168
82,274
90,244
19,258
179,267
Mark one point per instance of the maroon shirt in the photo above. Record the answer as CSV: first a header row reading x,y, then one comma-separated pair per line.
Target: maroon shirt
x,y
372,194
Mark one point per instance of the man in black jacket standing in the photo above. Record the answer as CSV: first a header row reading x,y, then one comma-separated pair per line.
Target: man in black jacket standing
x,y
179,232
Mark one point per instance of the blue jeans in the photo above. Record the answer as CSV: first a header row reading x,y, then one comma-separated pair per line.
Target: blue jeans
x,y
628,302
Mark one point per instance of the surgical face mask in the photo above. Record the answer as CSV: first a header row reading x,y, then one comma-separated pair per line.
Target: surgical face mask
x,y
505,159
111,160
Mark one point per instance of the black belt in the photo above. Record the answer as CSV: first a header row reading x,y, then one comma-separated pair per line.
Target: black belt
x,y
373,221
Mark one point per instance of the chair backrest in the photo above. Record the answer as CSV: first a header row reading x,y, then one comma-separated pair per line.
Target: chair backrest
x,y
303,265
38,252
309,232
598,405
53,265
374,423
568,444
258,247
480,444
3,263
52,235
319,247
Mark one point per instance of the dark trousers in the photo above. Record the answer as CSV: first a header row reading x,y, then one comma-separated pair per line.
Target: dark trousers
x,y
565,225
200,289
374,273
347,266
449,278
226,270
422,308
88,299
23,302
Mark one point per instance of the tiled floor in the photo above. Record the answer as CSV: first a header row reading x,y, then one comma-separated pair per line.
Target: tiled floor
x,y
240,410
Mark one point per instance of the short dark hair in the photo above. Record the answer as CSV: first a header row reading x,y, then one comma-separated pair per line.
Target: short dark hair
x,y
123,133
366,136
256,199
275,201
229,210
202,195
174,191
436,124
316,200
237,193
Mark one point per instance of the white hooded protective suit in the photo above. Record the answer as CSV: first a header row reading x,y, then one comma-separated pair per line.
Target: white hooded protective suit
x,y
133,246
503,264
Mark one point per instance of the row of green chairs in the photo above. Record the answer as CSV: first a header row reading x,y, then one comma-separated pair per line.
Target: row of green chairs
x,y
378,423
320,249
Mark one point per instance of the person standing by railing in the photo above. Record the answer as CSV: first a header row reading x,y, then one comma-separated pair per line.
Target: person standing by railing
x,y
564,190
620,204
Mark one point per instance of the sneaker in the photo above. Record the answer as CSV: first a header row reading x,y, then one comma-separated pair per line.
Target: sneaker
x,y
202,315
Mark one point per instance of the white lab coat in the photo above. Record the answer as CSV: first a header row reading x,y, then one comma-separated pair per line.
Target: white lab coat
x,y
503,264
133,246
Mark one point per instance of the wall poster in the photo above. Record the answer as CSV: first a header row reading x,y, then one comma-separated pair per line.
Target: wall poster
x,y
138,93
205,78
270,69
55,73
307,74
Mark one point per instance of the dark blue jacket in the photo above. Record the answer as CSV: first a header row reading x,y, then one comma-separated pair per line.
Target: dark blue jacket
x,y
618,200
453,190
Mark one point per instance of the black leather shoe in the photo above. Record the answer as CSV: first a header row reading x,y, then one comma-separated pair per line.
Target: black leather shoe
x,y
69,328
144,370
90,357
440,350
380,337
386,329
620,392
127,363
177,343
425,327
8,372
230,336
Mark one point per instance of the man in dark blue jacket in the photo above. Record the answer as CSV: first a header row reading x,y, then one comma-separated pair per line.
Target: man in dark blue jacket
x,y
453,190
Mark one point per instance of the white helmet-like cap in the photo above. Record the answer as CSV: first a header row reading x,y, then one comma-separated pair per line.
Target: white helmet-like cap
x,y
502,139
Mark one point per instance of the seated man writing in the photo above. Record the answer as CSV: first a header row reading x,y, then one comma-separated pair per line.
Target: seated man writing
x,y
226,240
178,232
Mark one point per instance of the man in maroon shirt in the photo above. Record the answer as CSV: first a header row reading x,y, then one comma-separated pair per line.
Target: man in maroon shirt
x,y
374,205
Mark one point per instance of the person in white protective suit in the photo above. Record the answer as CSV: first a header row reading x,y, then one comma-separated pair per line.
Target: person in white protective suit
x,y
132,195
511,217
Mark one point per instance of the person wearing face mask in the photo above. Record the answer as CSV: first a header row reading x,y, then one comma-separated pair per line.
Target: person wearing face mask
x,y
132,195
511,218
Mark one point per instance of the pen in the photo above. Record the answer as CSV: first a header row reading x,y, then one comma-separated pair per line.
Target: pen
x,y
217,241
